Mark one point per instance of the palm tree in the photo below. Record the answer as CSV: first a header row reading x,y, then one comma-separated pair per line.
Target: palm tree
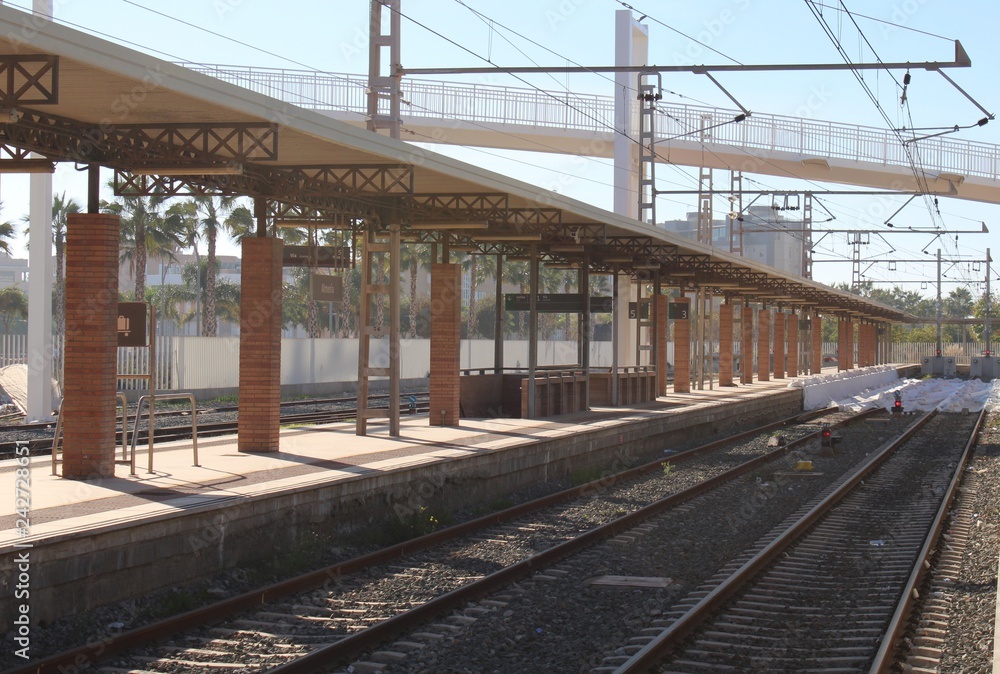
x,y
7,233
295,236
414,257
61,210
216,213
519,273
144,231
183,217
171,299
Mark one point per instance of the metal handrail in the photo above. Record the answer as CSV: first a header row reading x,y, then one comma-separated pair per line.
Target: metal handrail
x,y
592,113
58,434
138,414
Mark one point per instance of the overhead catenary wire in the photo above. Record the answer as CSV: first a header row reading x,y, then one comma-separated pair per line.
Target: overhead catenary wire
x,y
245,44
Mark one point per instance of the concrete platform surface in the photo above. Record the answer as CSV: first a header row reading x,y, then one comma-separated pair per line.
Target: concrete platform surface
x,y
319,453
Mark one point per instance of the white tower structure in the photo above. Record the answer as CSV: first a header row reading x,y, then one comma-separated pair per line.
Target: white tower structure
x,y
39,401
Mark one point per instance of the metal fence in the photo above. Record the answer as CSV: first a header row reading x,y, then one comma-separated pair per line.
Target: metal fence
x,y
193,363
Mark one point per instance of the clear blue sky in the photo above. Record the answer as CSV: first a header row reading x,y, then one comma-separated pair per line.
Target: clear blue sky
x,y
332,36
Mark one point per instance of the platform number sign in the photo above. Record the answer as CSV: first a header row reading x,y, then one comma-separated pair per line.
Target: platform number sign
x,y
677,311
131,323
633,310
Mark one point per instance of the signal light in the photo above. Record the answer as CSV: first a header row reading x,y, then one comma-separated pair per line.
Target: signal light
x,y
899,404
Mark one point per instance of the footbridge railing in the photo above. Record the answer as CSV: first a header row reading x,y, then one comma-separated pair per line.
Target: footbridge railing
x,y
569,113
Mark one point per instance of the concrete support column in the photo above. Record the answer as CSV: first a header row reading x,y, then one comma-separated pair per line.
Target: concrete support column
x,y
260,345
764,345
661,344
624,333
89,382
747,376
726,345
817,342
39,392
446,334
793,345
40,272
682,350
779,345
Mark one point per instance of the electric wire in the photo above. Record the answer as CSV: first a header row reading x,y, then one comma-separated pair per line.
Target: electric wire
x,y
682,34
131,2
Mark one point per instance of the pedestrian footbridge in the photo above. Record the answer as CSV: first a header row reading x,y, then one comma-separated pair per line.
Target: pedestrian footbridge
x,y
495,116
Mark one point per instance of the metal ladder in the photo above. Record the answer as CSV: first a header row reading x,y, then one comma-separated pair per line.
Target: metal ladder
x,y
378,245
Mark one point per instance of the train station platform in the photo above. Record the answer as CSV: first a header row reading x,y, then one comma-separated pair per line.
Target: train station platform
x,y
94,542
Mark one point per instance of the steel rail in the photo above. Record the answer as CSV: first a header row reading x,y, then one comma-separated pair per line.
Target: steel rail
x,y
380,632
218,428
41,425
670,637
139,636
887,651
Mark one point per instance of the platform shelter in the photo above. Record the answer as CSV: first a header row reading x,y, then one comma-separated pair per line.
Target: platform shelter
x,y
156,128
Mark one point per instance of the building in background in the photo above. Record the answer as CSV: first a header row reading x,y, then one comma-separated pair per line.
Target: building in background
x,y
768,236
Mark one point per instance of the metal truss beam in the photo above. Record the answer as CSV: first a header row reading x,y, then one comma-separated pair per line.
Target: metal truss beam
x,y
457,207
194,142
248,184
533,216
356,179
130,146
29,80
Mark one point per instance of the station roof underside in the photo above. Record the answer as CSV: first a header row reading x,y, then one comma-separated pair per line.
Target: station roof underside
x,y
167,130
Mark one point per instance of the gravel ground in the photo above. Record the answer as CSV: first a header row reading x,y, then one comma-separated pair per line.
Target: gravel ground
x,y
968,648
98,624
556,622
525,636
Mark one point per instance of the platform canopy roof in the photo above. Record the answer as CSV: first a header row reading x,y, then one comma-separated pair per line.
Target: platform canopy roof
x,y
72,97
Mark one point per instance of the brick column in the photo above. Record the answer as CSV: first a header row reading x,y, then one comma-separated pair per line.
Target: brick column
x,y
682,350
89,383
870,333
817,342
446,335
764,345
779,345
260,345
847,348
726,345
851,344
747,375
793,345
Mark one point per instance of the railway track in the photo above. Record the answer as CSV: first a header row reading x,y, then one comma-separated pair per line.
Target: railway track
x,y
332,410
331,614
832,588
